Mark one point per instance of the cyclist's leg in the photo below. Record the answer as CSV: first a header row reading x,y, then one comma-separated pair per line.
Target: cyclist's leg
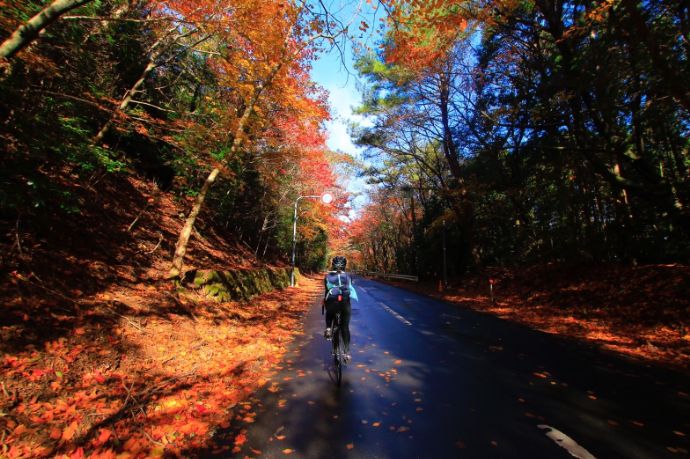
x,y
330,313
331,309
345,324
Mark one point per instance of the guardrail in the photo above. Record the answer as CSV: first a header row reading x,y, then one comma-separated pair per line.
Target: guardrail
x,y
388,275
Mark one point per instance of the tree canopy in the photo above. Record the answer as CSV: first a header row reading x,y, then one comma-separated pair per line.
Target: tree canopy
x,y
537,130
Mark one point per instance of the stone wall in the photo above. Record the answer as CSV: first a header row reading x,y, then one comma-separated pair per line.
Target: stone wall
x,y
239,284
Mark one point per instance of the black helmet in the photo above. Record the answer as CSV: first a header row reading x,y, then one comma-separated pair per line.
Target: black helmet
x,y
339,263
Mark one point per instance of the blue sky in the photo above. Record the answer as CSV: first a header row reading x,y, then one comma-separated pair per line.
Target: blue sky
x,y
337,75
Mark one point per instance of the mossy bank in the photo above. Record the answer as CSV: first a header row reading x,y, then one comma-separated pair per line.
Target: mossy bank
x,y
237,284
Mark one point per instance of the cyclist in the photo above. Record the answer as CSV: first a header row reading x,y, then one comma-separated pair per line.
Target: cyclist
x,y
339,289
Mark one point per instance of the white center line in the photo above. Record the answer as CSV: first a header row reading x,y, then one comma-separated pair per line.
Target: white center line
x,y
395,314
566,442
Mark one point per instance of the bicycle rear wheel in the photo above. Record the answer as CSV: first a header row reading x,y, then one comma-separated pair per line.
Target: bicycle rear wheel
x,y
338,355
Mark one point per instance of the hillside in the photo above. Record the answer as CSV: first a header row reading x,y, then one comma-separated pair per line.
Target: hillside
x,y
100,354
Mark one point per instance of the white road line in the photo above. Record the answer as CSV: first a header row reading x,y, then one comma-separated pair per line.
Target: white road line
x,y
566,442
395,314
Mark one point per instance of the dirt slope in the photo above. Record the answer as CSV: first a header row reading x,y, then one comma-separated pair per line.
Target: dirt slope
x,y
100,356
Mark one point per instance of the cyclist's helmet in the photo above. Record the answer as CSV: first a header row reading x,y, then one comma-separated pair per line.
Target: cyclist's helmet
x,y
339,263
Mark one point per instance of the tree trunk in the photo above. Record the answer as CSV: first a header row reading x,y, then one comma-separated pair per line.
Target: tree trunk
x,y
183,240
181,247
29,31
129,95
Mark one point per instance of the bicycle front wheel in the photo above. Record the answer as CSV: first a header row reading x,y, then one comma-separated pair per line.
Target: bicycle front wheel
x,y
338,355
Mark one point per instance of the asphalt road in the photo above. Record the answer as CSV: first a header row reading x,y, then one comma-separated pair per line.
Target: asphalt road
x,y
431,380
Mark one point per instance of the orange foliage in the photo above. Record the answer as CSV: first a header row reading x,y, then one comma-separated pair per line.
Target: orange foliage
x,y
422,32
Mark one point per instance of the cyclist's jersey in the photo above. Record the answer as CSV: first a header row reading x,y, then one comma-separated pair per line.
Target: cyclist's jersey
x,y
338,286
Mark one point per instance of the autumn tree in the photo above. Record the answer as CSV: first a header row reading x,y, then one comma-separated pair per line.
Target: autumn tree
x,y
280,36
173,90
571,129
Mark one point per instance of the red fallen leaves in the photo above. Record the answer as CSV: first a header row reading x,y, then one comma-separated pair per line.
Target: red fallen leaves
x,y
158,405
640,311
103,436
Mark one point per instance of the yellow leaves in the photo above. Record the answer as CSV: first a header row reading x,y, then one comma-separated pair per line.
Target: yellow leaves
x,y
172,405
288,451
158,451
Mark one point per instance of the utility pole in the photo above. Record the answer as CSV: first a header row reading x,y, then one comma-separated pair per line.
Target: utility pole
x,y
326,198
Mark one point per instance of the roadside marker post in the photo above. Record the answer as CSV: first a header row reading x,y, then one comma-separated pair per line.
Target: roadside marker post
x,y
491,290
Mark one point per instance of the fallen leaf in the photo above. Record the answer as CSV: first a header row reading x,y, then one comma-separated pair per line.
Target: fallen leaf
x,y
69,432
350,445
288,451
240,439
55,433
103,436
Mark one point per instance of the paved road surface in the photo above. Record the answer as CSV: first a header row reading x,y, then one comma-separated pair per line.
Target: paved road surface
x,y
431,380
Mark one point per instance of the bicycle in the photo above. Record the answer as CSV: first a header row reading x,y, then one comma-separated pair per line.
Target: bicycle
x,y
338,348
